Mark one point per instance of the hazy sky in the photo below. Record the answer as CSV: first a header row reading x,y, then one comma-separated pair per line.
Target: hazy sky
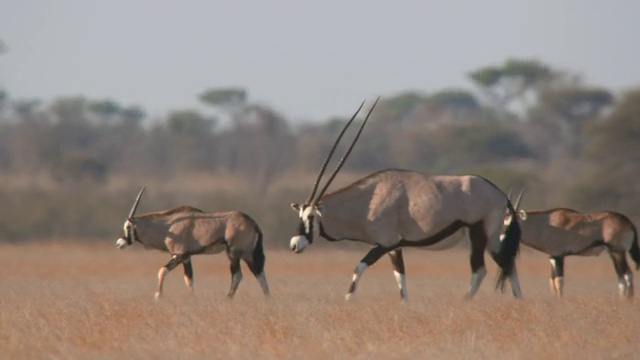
x,y
308,59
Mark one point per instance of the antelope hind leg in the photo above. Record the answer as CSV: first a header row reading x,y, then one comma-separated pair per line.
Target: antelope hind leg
x,y
625,280
398,271
236,275
258,271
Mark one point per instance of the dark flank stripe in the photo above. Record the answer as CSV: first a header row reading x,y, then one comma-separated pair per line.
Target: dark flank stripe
x,y
434,239
593,244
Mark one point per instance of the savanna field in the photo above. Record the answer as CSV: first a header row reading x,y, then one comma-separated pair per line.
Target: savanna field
x,y
77,301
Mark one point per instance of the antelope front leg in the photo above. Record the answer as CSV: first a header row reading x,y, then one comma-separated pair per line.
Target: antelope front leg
x,y
398,271
175,261
557,275
628,277
188,274
372,256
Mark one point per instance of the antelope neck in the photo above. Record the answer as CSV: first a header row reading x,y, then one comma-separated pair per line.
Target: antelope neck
x,y
323,233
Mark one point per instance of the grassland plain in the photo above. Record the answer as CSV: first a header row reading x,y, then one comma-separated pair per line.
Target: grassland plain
x,y
74,300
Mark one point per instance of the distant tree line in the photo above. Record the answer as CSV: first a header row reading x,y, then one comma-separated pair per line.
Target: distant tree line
x,y
523,123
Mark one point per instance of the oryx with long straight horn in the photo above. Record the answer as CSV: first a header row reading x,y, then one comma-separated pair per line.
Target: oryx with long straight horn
x,y
562,232
392,209
185,231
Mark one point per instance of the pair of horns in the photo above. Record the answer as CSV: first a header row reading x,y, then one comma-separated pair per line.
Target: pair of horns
x,y
516,205
310,199
135,204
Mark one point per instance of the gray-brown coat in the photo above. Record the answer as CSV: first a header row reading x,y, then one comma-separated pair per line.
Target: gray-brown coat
x,y
563,232
392,209
185,231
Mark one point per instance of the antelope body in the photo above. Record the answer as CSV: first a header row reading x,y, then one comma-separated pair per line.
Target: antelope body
x,y
186,231
392,209
563,232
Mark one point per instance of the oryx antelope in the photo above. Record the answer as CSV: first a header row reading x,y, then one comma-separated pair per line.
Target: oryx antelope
x,y
392,209
185,231
562,232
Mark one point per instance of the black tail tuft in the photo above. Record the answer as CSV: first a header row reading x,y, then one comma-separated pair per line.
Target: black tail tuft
x,y
634,252
257,263
509,247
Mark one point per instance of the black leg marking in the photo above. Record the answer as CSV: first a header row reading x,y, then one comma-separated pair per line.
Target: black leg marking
x,y
622,269
175,261
188,268
558,269
397,261
398,265
352,288
619,263
372,256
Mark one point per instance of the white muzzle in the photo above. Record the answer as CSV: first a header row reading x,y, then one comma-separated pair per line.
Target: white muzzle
x,y
121,243
298,244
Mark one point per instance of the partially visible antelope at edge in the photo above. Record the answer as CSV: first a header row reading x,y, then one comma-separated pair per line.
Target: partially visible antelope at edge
x,y
392,209
185,231
562,232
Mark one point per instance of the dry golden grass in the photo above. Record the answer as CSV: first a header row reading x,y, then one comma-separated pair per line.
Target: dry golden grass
x,y
71,301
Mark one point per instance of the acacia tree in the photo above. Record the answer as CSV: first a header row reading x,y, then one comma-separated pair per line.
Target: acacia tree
x,y
106,110
231,100
253,144
613,150
452,106
401,105
132,116
563,112
515,80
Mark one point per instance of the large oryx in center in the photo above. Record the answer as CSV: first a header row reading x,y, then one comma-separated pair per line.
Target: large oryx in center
x,y
561,232
392,209
185,231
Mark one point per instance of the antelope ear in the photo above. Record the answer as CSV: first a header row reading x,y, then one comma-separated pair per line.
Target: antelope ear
x,y
319,209
295,207
522,214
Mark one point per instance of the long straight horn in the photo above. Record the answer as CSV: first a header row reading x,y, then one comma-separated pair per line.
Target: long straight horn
x,y
509,194
516,205
135,204
339,166
326,160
